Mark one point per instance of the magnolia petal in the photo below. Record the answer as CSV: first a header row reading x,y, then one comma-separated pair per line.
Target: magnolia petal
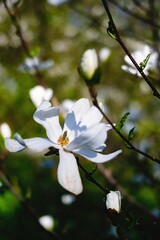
x,y
92,117
75,114
96,157
100,148
13,145
38,144
89,63
91,138
68,173
108,127
48,117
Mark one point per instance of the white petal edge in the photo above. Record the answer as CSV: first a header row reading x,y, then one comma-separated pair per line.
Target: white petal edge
x,y
13,146
68,173
92,117
97,157
48,117
74,116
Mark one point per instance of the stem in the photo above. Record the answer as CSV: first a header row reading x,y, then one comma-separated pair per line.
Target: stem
x,y
119,40
131,146
31,212
91,179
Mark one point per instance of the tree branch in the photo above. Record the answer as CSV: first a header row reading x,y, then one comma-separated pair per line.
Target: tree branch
x,y
119,40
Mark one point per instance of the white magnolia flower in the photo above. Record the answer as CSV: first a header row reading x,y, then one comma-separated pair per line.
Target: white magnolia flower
x,y
82,134
139,56
31,65
39,94
89,63
113,201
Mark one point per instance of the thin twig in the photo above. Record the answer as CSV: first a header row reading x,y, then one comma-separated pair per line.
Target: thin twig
x,y
91,179
119,40
129,144
148,20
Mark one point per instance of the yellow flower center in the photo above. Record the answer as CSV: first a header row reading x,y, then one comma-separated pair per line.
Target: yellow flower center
x,y
63,140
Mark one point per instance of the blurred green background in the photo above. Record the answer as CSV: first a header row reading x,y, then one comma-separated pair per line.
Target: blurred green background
x,y
57,33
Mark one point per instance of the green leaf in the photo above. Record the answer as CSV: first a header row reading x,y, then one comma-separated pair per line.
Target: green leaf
x,y
145,61
122,122
131,134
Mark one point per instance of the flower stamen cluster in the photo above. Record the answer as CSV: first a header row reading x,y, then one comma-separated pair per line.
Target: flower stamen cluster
x,y
63,140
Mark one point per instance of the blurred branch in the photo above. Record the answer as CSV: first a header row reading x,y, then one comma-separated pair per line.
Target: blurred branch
x,y
38,75
128,143
148,20
139,4
12,14
112,30
31,212
152,12
25,45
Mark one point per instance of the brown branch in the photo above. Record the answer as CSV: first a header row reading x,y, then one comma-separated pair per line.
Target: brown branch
x,y
121,43
129,144
91,179
148,20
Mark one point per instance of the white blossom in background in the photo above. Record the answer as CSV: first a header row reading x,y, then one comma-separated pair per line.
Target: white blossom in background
x,y
82,134
56,2
31,65
47,222
68,199
39,94
113,201
89,63
139,56
104,54
5,130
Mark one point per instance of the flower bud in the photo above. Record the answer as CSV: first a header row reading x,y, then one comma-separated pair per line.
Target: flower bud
x,y
113,201
89,68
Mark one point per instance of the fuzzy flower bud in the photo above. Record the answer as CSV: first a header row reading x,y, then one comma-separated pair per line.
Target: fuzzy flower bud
x,y
89,68
113,201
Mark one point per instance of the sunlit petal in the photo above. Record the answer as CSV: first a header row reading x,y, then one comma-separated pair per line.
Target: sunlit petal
x,y
91,138
92,117
75,114
96,157
68,173
48,117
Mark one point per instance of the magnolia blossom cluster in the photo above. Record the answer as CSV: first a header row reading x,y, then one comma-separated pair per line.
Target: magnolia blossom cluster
x,y
83,134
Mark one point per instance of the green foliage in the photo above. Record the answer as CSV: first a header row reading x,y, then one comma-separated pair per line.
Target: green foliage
x,y
122,121
62,33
